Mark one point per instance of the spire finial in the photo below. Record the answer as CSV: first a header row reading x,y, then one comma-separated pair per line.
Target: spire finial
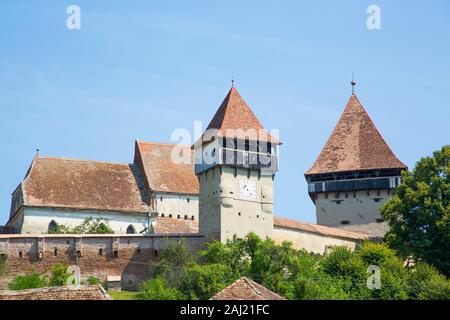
x,y
37,152
353,83
232,81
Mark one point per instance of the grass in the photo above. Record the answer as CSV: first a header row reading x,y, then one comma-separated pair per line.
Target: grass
x,y
122,295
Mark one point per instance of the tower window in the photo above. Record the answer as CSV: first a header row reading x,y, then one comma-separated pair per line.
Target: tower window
x,y
192,218
170,215
20,254
100,251
178,216
188,200
116,253
337,201
185,217
138,251
344,222
377,199
239,214
55,252
379,220
162,215
160,198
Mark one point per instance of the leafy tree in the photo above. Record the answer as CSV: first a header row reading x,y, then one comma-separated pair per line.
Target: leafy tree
x,y
89,225
57,228
93,225
59,275
172,260
202,282
29,281
425,282
419,212
158,289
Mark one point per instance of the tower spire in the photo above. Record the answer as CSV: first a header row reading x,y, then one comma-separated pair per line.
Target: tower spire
x,y
353,83
232,81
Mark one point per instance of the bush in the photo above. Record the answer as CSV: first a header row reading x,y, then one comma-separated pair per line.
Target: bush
x,y
158,289
59,275
425,282
29,281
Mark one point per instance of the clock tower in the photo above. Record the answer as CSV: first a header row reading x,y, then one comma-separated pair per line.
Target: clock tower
x,y
235,161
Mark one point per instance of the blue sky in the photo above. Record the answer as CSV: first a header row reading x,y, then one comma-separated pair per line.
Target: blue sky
x,y
140,69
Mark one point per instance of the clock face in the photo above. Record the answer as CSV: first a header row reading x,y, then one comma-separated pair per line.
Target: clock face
x,y
247,190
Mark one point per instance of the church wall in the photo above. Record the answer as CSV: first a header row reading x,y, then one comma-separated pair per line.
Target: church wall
x,y
36,220
177,204
311,242
356,208
127,256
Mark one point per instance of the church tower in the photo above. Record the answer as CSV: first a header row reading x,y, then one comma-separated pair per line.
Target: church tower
x,y
355,172
235,161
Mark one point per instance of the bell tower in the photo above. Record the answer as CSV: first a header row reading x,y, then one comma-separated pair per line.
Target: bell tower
x,y
355,172
236,160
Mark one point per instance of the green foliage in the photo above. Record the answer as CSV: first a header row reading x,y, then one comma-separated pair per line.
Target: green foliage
x,y
58,229
93,281
419,212
89,225
93,225
294,274
59,275
29,281
202,282
171,262
158,289
425,282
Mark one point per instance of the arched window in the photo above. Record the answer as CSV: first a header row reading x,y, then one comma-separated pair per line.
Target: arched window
x,y
52,226
131,229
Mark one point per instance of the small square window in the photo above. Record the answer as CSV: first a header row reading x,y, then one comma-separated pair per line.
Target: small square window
x,y
116,253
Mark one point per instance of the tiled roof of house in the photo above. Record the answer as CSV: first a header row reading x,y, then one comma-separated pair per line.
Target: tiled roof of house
x,y
246,289
167,167
80,184
57,293
172,225
355,144
235,114
318,229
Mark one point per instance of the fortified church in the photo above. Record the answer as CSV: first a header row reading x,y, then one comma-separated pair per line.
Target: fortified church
x,y
226,188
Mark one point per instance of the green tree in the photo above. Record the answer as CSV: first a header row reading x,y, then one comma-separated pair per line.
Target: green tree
x,y
172,261
419,212
93,225
203,281
30,280
425,282
59,275
158,289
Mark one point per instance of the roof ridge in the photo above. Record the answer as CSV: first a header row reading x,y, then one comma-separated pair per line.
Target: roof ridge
x,y
163,143
83,160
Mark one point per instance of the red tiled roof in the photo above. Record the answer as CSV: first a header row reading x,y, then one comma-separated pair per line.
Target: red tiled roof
x,y
355,144
246,289
57,293
164,174
318,229
235,114
172,225
80,184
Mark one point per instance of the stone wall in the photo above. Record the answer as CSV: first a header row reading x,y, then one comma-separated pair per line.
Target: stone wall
x,y
127,256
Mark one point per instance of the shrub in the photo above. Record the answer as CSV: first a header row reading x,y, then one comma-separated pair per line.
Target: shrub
x,y
59,275
425,282
158,289
29,281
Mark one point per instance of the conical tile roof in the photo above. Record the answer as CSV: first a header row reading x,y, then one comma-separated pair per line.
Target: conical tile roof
x,y
355,144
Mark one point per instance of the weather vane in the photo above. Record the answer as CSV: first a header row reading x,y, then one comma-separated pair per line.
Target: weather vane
x,y
353,83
